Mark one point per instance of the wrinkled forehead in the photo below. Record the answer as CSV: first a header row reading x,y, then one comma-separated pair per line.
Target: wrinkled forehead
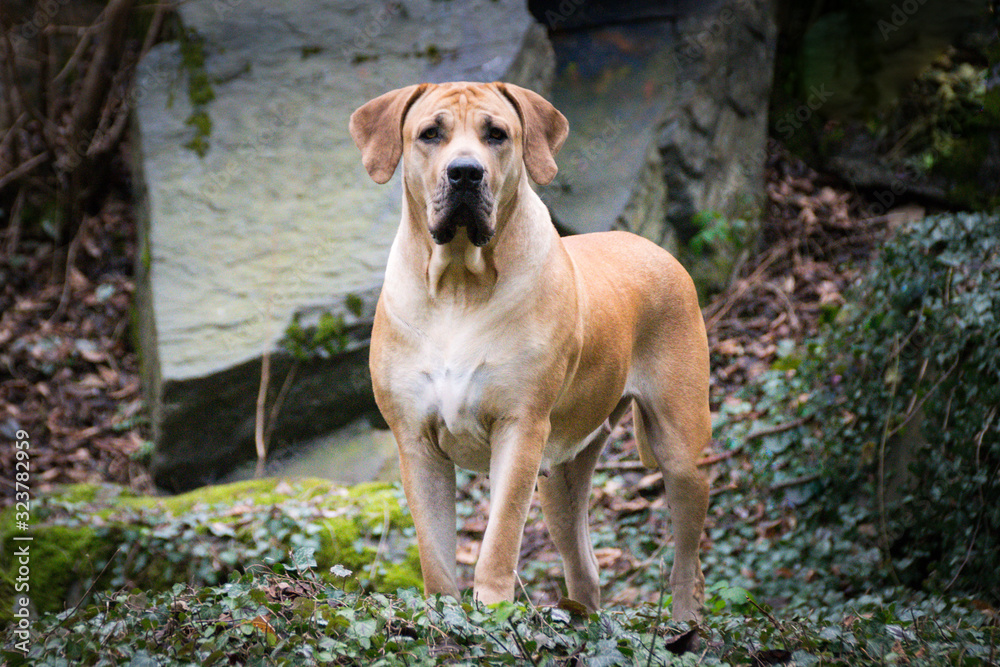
x,y
457,101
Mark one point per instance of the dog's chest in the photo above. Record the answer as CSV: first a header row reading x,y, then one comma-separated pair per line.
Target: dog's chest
x,y
455,384
455,410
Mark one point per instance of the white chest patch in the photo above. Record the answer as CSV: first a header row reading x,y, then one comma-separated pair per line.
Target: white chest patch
x,y
456,396
453,406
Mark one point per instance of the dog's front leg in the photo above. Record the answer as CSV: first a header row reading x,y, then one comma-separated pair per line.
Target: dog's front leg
x,y
516,453
429,483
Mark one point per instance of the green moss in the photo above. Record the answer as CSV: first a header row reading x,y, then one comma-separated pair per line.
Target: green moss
x,y
405,574
203,536
63,561
339,546
713,251
200,89
79,493
354,304
380,514
200,92
258,492
381,503
201,122
199,145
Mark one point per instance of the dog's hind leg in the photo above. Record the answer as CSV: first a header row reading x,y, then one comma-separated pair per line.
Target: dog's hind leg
x,y
673,427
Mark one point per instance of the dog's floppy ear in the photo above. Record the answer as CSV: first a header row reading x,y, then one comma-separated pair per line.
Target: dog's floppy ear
x,y
377,129
545,130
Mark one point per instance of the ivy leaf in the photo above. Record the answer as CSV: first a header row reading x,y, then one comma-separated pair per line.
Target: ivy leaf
x,y
339,570
304,558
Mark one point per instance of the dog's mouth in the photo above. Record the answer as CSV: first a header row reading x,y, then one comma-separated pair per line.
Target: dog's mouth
x,y
463,208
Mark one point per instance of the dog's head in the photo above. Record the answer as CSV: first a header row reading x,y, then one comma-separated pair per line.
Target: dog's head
x,y
465,147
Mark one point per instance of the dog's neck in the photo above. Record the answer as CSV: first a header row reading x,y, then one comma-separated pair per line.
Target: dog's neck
x,y
460,266
461,271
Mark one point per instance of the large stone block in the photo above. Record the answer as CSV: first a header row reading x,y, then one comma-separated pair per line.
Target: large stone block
x,y
257,212
615,84
668,115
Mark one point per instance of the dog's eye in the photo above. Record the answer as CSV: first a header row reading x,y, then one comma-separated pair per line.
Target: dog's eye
x,y
496,135
430,134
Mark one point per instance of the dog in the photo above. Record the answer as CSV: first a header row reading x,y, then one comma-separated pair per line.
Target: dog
x,y
500,347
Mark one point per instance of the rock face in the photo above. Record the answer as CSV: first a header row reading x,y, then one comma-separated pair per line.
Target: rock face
x,y
668,117
615,85
258,213
713,145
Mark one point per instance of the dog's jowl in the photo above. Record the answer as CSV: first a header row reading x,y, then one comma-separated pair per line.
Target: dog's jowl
x,y
500,347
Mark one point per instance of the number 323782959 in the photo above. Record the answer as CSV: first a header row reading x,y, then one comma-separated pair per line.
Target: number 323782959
x,y
22,470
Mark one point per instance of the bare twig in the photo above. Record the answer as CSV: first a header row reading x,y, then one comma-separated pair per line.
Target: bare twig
x,y
659,616
524,591
719,309
620,465
81,48
520,644
771,618
11,87
90,589
155,27
15,126
258,430
793,319
777,428
381,544
968,553
272,418
23,169
14,228
797,481
723,489
113,133
638,465
883,528
94,88
982,433
74,247
716,458
915,408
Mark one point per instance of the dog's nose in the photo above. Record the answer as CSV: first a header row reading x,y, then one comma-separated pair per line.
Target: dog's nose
x,y
465,173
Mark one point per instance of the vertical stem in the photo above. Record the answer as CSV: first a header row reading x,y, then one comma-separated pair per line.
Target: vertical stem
x,y
265,379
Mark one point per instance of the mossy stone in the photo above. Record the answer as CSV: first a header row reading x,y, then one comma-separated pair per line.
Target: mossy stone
x,y
60,557
77,530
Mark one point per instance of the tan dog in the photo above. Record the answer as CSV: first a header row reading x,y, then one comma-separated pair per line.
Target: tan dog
x,y
502,348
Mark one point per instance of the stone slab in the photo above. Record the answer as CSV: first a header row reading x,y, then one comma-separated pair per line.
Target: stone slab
x,y
278,217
